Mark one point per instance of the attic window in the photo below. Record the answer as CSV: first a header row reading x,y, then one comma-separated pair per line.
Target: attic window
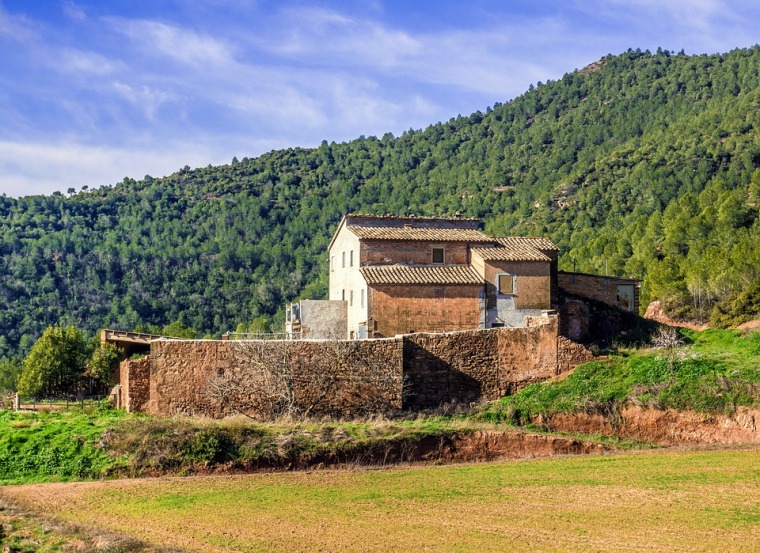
x,y
506,284
437,255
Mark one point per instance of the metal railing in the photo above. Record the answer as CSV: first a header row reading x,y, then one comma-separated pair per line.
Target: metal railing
x,y
263,336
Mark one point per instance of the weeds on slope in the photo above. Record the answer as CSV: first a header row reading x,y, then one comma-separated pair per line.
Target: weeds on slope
x,y
715,372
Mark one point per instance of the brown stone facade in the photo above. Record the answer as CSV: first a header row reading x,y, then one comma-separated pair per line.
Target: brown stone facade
x,y
342,378
134,378
388,252
406,309
533,286
610,290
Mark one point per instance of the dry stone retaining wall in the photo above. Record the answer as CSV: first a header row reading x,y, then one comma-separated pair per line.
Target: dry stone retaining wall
x,y
345,378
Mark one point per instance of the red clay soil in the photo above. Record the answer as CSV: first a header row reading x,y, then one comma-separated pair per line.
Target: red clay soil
x,y
664,427
655,312
475,446
749,325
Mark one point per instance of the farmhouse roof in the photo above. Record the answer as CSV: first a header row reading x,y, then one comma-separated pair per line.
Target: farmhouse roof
x,y
543,244
420,234
420,274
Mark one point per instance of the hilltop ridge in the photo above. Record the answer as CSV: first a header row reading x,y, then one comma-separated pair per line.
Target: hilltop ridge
x,y
647,166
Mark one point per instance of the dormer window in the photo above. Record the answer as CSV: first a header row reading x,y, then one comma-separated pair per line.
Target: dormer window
x,y
437,255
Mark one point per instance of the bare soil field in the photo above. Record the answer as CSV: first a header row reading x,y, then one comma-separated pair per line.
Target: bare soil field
x,y
697,500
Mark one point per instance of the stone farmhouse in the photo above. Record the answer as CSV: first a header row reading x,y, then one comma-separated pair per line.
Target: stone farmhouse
x,y
400,275
454,316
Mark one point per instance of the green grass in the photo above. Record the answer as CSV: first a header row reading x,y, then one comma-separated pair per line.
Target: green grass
x,y
37,447
683,501
92,443
716,372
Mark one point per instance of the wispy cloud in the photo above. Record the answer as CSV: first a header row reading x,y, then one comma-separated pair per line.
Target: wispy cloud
x,y
144,98
91,93
73,11
15,27
37,168
175,42
81,61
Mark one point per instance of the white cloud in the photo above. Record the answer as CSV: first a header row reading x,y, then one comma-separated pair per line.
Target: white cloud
x,y
73,11
15,28
81,61
42,168
175,42
146,99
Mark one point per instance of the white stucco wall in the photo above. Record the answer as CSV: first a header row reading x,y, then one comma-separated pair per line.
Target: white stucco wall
x,y
347,279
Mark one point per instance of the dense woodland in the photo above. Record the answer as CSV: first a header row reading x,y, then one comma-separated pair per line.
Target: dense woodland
x,y
642,164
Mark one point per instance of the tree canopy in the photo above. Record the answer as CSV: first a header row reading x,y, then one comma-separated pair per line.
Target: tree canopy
x,y
647,164
55,362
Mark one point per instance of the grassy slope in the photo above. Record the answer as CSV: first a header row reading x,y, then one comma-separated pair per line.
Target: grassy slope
x,y
716,372
664,501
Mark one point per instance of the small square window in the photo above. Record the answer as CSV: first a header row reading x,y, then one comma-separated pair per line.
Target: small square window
x,y
361,297
437,255
343,295
351,298
332,263
351,258
506,284
343,260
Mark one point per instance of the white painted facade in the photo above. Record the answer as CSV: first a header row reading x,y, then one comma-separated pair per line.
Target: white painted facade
x,y
346,282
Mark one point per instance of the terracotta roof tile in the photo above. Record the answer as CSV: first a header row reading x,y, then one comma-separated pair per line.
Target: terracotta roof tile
x,y
420,274
515,252
412,217
421,234
537,243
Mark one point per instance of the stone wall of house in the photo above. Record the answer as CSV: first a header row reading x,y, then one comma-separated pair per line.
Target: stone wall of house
x,y
134,377
406,309
265,377
389,252
600,288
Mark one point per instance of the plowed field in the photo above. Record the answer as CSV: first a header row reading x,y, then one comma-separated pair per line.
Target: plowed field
x,y
654,501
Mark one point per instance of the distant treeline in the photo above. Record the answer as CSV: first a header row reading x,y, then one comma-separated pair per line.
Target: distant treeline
x,y
645,165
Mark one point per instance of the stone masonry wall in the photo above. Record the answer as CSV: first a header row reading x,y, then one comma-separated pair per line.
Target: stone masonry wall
x,y
405,309
347,378
571,354
265,378
599,288
134,377
468,366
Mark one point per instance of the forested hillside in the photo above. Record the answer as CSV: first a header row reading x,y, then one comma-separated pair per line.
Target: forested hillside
x,y
646,164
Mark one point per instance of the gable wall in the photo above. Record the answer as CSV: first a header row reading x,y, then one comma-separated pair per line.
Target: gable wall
x,y
404,309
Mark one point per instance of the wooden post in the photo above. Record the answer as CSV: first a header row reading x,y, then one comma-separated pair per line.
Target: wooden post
x,y
16,402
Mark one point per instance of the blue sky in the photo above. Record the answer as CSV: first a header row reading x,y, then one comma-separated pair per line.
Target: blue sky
x,y
93,91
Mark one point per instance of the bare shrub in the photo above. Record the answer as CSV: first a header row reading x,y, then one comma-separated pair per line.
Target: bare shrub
x,y
269,380
670,340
